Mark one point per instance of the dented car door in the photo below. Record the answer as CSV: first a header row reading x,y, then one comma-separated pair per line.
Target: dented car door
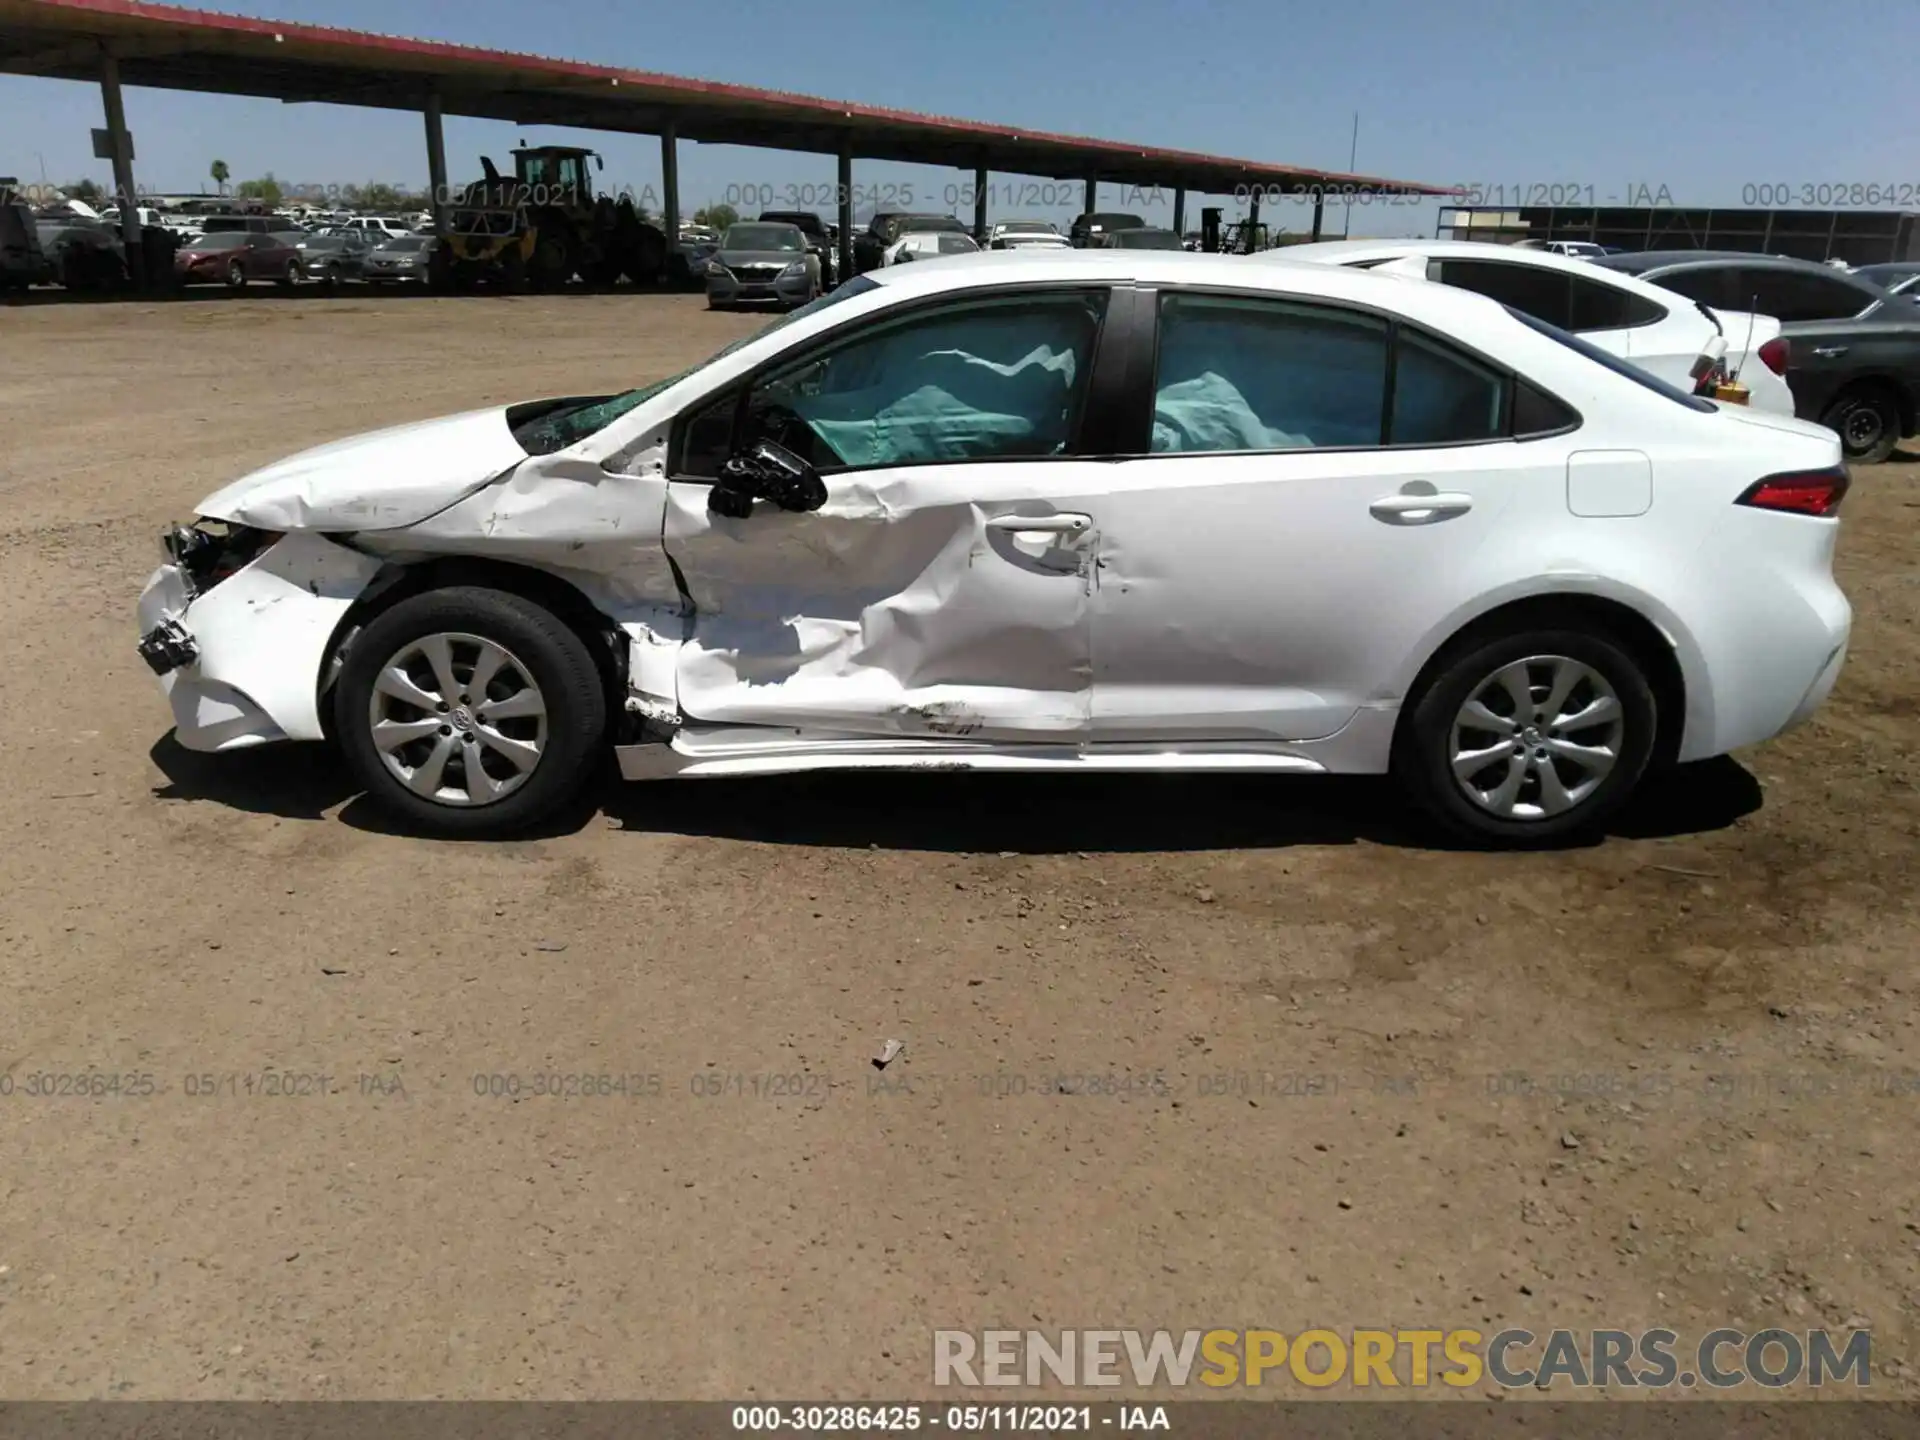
x,y
943,588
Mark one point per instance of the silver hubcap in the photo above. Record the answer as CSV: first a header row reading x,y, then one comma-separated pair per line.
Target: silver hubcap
x,y
1537,737
457,719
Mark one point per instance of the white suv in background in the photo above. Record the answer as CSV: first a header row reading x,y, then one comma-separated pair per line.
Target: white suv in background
x,y
1657,330
378,227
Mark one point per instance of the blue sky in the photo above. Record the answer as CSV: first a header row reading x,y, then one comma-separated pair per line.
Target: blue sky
x,y
1703,100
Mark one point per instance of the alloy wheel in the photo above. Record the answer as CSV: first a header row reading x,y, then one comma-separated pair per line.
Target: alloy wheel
x,y
458,719
1537,737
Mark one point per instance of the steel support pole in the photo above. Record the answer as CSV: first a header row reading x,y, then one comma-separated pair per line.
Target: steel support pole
x,y
980,203
1093,194
670,187
1180,211
122,146
844,270
1250,241
1317,199
437,164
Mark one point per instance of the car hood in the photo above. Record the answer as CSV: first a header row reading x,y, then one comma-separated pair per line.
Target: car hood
x,y
379,481
730,258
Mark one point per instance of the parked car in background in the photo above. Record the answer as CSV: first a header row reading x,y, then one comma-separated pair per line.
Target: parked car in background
x,y
402,259
238,224
759,263
84,254
1572,249
1663,333
1340,524
1023,240
929,245
380,226
329,259
1007,229
1143,237
871,245
22,261
819,242
1854,362
234,257
1090,230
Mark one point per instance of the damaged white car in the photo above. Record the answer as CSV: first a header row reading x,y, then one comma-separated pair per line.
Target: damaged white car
x,y
1091,511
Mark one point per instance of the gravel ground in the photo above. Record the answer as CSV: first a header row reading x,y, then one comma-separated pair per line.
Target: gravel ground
x,y
1659,1080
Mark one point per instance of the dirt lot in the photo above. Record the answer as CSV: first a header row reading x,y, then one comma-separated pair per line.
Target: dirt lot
x,y
1714,1010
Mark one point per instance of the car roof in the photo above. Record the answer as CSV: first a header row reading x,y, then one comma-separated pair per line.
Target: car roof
x,y
1443,306
1339,252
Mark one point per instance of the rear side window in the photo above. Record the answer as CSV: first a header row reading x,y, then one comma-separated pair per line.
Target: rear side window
x,y
1795,295
1613,362
1247,374
1569,302
1243,374
1709,284
1440,397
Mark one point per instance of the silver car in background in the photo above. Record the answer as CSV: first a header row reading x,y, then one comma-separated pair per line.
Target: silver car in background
x,y
761,262
403,258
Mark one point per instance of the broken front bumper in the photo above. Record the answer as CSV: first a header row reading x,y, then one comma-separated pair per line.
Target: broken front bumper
x,y
241,664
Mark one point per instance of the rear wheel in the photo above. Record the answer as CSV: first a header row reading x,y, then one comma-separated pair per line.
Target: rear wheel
x,y
1867,420
470,712
236,276
1533,738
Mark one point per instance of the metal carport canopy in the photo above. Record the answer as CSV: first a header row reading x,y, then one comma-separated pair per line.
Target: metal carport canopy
x,y
170,47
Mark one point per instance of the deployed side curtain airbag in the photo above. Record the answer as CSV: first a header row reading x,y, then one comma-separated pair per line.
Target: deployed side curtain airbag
x,y
1262,375
996,384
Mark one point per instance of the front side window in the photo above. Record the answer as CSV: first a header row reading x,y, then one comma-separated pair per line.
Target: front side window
x,y
1249,374
991,379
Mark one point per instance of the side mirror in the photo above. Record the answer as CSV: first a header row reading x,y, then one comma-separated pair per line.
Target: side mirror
x,y
770,472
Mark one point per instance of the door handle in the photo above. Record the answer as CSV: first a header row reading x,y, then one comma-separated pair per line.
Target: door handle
x,y
1420,509
1829,351
1067,524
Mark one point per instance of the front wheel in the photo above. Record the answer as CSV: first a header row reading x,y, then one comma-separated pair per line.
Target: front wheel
x,y
1530,739
1867,420
236,276
291,276
470,712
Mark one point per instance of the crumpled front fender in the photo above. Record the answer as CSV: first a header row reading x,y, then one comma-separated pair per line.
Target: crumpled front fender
x,y
262,636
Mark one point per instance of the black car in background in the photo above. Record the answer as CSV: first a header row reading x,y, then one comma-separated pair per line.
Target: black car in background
x,y
819,238
870,245
1090,231
1853,360
1897,277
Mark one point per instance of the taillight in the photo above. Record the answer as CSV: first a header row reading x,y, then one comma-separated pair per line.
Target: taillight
x,y
1800,492
1774,354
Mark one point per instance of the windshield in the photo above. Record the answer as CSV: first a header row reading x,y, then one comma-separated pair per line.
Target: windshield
x,y
763,237
1026,227
954,244
410,242
322,242
551,430
221,240
1613,362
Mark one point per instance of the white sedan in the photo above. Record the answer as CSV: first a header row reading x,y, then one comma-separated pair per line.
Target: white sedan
x,y
1102,511
1659,331
929,245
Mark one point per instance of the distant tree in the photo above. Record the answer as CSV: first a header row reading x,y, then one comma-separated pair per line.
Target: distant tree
x,y
717,217
378,196
266,190
86,191
219,172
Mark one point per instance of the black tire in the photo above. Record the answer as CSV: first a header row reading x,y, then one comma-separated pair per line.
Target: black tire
x,y
555,658
1424,749
1867,420
292,276
236,276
